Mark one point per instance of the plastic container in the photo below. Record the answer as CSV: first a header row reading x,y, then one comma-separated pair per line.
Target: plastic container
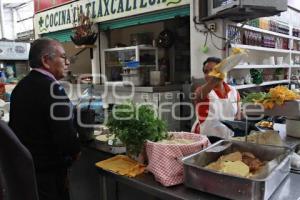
x,y
135,79
279,60
156,78
2,77
132,64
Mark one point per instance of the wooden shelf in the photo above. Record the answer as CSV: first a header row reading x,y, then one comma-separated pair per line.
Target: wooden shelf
x,y
238,87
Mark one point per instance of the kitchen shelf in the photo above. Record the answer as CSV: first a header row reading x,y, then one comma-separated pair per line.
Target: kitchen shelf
x,y
130,67
149,66
238,87
144,58
295,38
259,53
263,31
140,47
261,66
261,48
295,52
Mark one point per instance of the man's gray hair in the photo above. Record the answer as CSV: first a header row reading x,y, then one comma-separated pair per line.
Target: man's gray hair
x,y
40,48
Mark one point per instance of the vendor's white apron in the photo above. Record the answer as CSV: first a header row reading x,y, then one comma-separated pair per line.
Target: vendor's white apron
x,y
219,109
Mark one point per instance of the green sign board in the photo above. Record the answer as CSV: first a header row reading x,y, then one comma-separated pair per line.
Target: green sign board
x,y
67,16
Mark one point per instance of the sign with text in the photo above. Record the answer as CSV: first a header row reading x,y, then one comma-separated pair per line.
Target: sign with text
x,y
66,16
14,50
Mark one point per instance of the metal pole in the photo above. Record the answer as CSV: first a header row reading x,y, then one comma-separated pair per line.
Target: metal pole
x,y
1,20
14,19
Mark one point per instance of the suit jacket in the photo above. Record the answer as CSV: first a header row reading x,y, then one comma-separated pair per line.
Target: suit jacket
x,y
41,115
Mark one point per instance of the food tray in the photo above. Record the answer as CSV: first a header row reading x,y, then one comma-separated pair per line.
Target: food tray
x,y
293,168
297,148
259,186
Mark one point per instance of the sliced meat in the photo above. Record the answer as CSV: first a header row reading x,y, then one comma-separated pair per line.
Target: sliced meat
x,y
253,163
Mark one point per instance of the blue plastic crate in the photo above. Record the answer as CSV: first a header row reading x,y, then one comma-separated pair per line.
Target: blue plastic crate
x,y
132,64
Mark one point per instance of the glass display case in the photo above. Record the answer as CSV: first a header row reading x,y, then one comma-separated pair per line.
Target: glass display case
x,y
134,61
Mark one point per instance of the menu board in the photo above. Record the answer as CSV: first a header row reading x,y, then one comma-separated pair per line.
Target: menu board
x,y
14,50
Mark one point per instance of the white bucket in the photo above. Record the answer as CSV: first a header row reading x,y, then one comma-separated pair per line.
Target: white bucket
x,y
293,128
156,78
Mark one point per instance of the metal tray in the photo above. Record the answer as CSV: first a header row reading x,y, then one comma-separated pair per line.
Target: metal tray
x,y
293,169
260,186
297,149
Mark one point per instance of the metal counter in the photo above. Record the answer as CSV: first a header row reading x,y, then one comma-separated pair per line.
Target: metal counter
x,y
113,186
146,188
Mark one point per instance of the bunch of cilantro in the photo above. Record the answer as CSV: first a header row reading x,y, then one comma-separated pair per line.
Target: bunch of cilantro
x,y
133,124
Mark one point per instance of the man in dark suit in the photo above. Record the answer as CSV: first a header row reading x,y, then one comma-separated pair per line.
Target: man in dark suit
x,y
41,116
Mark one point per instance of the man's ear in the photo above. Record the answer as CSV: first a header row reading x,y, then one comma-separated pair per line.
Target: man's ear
x,y
45,62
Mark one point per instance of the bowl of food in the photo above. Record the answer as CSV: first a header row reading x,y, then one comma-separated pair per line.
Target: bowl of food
x,y
264,125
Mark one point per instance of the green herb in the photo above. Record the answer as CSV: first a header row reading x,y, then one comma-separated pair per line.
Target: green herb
x,y
255,97
257,75
133,124
279,71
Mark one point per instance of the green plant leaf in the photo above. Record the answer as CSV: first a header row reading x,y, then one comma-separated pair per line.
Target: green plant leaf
x,y
133,124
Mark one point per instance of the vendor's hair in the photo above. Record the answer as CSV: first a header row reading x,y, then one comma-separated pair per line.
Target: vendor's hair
x,y
40,48
211,59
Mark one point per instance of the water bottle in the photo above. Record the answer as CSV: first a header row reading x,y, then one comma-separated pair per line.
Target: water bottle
x,y
2,77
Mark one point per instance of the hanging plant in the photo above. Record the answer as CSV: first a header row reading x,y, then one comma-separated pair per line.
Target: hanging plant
x,y
83,33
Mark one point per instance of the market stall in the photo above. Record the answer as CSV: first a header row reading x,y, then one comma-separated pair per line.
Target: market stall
x,y
115,186
149,52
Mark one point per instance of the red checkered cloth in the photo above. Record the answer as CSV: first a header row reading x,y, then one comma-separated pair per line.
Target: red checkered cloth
x,y
164,160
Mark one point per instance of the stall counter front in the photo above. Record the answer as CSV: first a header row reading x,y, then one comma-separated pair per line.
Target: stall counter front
x,y
114,186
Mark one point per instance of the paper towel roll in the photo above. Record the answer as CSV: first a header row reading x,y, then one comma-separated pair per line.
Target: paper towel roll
x,y
156,78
